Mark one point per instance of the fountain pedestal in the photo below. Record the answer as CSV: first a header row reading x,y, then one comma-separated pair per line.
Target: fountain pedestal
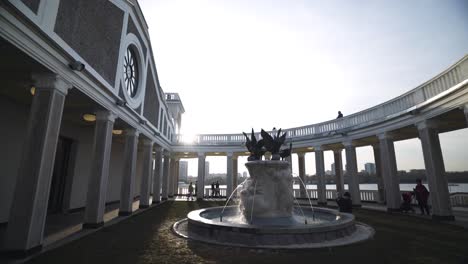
x,y
268,191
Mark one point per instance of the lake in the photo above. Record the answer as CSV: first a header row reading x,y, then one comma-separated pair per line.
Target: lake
x,y
453,187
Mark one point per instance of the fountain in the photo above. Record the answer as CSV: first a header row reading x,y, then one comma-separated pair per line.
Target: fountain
x,y
266,216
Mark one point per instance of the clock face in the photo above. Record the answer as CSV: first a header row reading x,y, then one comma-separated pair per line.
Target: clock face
x,y
130,72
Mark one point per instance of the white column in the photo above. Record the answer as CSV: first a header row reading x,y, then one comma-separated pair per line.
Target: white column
x,y
235,172
158,172
129,168
99,173
147,173
172,176
201,176
338,171
435,171
352,173
229,174
165,175
301,161
389,172
176,176
378,174
465,111
29,207
320,173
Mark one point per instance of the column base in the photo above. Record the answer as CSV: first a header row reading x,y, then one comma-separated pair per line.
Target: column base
x,y
443,217
164,199
18,253
357,205
144,206
156,202
200,199
322,203
393,210
125,213
92,225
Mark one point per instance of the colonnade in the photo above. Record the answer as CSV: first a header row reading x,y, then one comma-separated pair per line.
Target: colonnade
x,y
27,218
386,170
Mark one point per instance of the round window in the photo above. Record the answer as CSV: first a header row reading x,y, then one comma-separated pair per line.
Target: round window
x,y
131,72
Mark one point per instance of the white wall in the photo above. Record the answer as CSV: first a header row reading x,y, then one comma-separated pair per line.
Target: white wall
x,y
83,138
139,171
14,118
115,171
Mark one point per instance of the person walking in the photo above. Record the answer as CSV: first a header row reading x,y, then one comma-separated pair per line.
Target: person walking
x,y
422,194
190,192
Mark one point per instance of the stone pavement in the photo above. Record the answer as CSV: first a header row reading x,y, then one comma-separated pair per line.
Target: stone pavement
x,y
147,238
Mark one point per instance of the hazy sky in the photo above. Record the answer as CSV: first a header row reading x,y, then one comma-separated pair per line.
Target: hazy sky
x,y
242,64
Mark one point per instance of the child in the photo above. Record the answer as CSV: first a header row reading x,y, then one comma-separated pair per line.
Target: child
x,y
406,204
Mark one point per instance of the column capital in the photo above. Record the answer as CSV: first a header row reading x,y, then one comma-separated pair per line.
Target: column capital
x,y
105,115
464,108
132,132
166,153
375,146
148,142
349,143
338,151
229,154
201,154
158,149
318,148
300,154
51,81
426,124
385,135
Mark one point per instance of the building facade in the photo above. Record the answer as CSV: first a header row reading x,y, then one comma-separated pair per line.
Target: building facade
x,y
369,168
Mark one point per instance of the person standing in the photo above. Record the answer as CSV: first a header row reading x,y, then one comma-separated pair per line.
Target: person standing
x,y
213,191
345,203
190,192
218,194
422,194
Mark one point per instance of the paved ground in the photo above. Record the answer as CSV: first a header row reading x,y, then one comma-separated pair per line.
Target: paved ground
x,y
147,238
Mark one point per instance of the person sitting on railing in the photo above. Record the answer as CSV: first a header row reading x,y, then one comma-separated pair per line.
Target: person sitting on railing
x,y
345,203
340,115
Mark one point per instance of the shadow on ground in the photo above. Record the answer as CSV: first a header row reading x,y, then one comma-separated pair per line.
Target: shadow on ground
x,y
147,238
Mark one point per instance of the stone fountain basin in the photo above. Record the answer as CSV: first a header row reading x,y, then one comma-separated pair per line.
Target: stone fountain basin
x,y
330,228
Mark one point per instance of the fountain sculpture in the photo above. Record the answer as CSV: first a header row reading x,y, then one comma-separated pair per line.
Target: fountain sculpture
x,y
266,216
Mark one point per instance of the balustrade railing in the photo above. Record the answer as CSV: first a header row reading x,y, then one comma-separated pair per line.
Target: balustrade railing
x,y
456,199
402,104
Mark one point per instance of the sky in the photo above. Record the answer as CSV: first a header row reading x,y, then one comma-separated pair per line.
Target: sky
x,y
243,64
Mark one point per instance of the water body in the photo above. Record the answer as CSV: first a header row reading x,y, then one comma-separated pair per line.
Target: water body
x,y
453,187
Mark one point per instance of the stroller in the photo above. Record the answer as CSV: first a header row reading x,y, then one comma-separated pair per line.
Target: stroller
x,y
406,204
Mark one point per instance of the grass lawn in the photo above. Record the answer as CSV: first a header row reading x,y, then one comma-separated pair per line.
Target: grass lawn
x,y
147,238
